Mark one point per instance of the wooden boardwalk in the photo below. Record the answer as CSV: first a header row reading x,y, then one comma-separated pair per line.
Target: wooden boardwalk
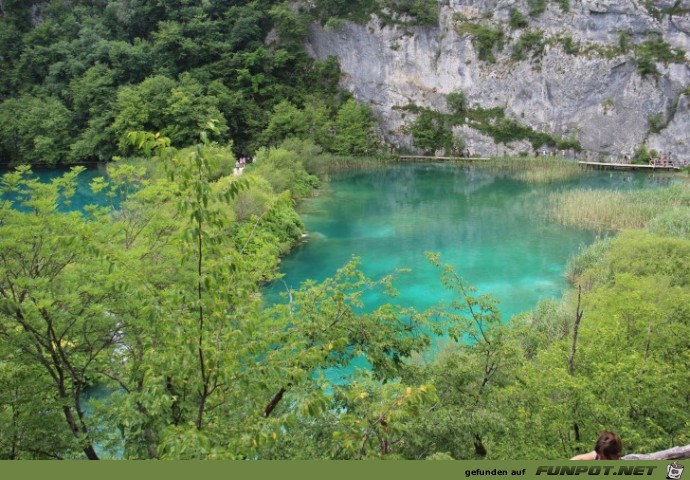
x,y
601,165
628,166
442,159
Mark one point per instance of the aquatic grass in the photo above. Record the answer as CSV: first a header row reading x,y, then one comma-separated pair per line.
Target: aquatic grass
x,y
587,258
675,222
538,170
607,210
329,164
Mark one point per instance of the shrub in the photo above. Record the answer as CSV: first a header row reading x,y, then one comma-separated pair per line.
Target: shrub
x,y
646,65
536,7
570,46
674,222
311,155
284,170
253,201
587,258
654,50
565,5
623,41
353,130
334,24
532,40
656,122
484,39
422,12
661,51
457,103
517,19
430,132
642,156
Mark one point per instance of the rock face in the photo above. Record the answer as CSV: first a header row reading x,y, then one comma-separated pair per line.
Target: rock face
x,y
597,94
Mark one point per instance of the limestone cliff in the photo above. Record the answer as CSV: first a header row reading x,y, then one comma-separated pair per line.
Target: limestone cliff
x,y
587,80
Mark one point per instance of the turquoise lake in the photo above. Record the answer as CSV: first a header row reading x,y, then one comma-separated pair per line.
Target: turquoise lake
x,y
83,195
490,227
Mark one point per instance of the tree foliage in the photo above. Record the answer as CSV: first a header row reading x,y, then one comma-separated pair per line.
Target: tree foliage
x,y
170,324
77,79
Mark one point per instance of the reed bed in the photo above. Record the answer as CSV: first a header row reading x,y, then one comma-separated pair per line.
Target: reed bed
x,y
323,165
607,210
538,170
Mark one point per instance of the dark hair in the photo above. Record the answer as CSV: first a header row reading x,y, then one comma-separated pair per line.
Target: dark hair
x,y
609,446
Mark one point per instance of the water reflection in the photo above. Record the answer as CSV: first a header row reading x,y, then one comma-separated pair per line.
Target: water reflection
x,y
490,226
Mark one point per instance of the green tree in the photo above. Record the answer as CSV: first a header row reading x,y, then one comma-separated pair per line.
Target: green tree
x,y
34,129
468,377
93,97
457,103
55,322
284,170
188,110
353,130
142,107
286,121
430,132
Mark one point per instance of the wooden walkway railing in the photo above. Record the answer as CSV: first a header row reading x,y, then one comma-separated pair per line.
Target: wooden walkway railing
x,y
443,159
628,166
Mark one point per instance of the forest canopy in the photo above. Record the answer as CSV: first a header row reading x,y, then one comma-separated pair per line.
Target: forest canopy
x,y
76,77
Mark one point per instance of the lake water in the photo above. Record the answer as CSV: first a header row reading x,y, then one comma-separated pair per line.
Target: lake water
x,y
490,227
83,195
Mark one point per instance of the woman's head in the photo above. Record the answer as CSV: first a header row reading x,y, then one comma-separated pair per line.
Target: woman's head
x,y
608,447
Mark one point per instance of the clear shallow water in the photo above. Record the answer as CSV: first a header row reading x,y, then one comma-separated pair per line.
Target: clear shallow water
x,y
487,225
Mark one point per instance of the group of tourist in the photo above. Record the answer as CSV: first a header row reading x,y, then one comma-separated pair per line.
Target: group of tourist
x,y
241,163
663,160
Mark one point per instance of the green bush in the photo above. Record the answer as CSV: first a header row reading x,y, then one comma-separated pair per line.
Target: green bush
x,y
430,132
422,12
353,130
484,39
646,65
587,258
570,46
284,170
673,223
529,41
661,51
457,103
536,7
623,41
642,156
334,23
656,122
564,4
517,19
356,10
252,201
311,155
568,144
654,50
